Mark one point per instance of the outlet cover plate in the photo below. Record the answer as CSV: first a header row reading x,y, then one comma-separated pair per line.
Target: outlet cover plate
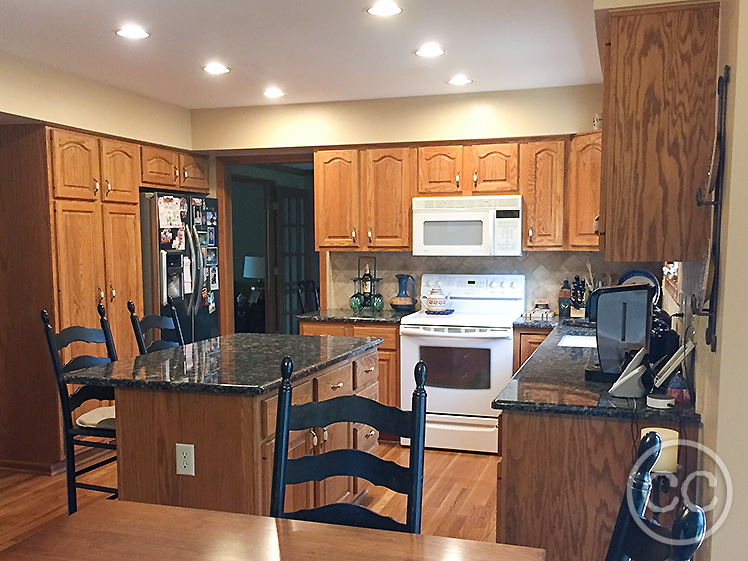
x,y
185,459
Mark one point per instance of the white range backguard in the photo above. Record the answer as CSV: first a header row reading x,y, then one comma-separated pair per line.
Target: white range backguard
x,y
468,356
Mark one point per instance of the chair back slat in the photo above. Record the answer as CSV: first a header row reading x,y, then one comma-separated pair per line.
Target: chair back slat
x,y
160,345
156,322
85,393
77,333
84,361
353,409
349,462
354,515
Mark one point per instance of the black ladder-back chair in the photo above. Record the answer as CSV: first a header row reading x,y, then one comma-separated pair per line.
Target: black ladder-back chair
x,y
308,296
164,323
637,538
408,424
75,435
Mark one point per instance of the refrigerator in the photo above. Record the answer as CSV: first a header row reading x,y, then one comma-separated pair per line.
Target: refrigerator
x,y
179,237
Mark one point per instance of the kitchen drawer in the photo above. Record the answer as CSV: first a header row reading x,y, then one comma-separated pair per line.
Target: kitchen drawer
x,y
390,335
335,383
365,438
365,371
299,395
324,328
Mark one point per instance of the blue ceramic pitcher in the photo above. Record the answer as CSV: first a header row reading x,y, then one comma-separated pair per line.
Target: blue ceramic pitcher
x,y
404,302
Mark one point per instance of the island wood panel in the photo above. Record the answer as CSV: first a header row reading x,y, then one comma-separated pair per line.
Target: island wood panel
x,y
337,199
30,434
562,478
584,190
439,169
120,171
388,177
491,169
659,132
75,162
541,184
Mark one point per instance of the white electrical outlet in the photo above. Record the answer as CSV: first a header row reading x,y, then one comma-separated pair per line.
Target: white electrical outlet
x,y
185,459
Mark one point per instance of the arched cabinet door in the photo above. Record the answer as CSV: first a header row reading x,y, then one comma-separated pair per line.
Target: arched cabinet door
x,y
75,161
584,190
542,188
440,170
337,204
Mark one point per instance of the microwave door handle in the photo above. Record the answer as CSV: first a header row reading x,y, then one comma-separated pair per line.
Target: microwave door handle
x,y
496,333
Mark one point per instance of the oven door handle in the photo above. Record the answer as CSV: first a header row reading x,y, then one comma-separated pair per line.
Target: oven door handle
x,y
489,333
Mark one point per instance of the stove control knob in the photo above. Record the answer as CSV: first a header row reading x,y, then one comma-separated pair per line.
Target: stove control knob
x,y
501,284
512,285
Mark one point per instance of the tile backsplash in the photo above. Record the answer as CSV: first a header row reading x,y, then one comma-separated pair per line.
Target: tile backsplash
x,y
544,271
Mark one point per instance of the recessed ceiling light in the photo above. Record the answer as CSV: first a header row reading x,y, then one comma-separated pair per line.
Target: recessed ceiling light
x,y
273,92
216,68
460,80
385,8
430,50
132,32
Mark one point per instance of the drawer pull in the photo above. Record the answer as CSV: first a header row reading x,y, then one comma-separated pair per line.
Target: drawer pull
x,y
371,433
370,369
336,386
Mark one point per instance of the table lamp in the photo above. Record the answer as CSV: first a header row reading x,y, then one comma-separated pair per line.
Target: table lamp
x,y
254,267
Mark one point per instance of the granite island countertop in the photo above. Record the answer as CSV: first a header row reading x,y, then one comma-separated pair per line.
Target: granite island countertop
x,y
348,315
239,363
552,381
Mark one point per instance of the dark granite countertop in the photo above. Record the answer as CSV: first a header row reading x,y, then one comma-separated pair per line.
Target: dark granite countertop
x,y
549,323
552,381
373,316
240,363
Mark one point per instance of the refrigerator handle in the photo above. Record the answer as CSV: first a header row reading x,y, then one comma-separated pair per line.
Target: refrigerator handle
x,y
201,268
163,277
193,259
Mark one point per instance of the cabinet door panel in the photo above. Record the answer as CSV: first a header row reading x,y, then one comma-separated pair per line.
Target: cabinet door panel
x,y
124,278
389,175
80,264
491,168
120,171
542,189
439,169
337,199
584,190
159,166
194,170
76,165
299,496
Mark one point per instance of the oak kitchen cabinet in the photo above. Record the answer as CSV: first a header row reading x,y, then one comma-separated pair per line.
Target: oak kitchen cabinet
x,y
583,194
660,75
483,169
541,184
526,340
362,198
171,170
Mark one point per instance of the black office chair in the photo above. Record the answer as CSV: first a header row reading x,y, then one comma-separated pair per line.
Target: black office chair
x,y
99,423
308,296
164,323
352,409
640,539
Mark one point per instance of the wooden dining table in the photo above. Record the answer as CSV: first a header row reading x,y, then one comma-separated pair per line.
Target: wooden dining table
x,y
120,530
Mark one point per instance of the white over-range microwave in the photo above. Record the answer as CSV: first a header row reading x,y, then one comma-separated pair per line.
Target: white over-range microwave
x,y
464,226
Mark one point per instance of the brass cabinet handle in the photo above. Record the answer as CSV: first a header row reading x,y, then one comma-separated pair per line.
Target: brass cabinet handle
x,y
369,234
114,292
336,386
176,173
458,179
475,178
108,186
96,185
315,440
324,435
371,433
596,225
353,235
185,173
530,233
370,369
101,293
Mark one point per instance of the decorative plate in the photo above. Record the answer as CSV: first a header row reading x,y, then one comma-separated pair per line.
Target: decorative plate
x,y
638,276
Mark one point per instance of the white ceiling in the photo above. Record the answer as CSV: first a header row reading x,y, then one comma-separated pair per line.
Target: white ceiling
x,y
315,50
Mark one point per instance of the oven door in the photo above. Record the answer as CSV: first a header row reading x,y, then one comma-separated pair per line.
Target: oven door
x,y
466,368
453,232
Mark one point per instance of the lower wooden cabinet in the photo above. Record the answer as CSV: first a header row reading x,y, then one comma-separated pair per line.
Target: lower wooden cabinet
x,y
526,340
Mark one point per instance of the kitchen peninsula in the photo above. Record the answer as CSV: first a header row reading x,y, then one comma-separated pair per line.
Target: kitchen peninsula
x,y
566,450
220,395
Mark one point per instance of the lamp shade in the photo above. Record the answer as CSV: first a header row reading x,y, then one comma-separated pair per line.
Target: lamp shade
x,y
254,267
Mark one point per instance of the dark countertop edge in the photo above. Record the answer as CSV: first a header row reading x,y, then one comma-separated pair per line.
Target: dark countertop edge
x,y
646,414
229,389
348,316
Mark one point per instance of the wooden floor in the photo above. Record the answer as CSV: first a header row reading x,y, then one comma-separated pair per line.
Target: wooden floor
x,y
459,497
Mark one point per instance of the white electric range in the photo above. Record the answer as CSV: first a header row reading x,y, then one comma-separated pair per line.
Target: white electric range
x,y
468,356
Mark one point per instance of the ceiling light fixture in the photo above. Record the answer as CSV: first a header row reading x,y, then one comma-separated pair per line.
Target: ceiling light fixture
x,y
460,80
132,32
430,50
385,8
273,92
216,68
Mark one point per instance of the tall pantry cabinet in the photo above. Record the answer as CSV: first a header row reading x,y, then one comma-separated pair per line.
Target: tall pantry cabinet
x,y
69,238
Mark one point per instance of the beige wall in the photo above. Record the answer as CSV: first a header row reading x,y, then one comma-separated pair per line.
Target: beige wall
x,y
411,119
47,94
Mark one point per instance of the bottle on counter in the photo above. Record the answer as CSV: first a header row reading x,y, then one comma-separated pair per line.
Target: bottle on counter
x,y
366,279
564,300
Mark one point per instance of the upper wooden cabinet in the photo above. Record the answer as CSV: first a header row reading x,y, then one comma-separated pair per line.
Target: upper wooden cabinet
x,y
193,172
120,171
481,169
541,184
490,169
387,177
584,190
660,83
160,166
337,199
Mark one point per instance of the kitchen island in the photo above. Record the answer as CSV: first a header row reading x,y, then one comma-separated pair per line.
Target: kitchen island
x,y
220,395
566,449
